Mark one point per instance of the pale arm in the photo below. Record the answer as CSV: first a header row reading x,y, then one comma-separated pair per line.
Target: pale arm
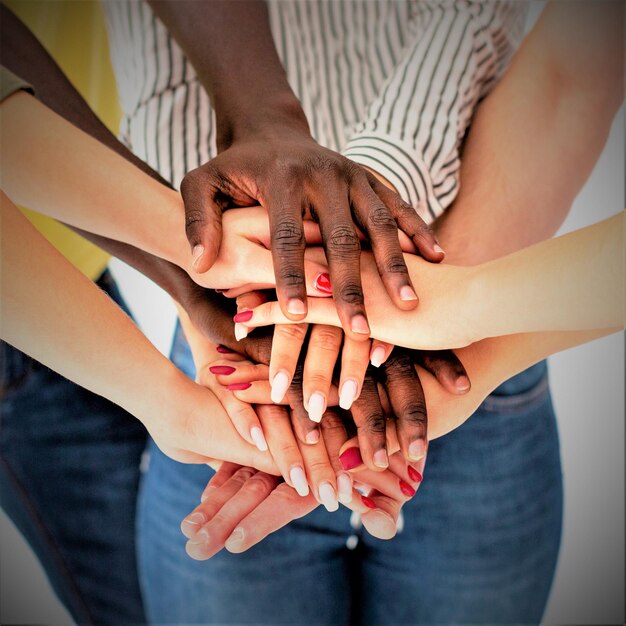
x,y
56,315
535,139
573,282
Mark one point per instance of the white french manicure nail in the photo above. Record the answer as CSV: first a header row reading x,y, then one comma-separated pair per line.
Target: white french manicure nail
x,y
328,497
259,438
344,488
316,407
195,519
347,395
241,332
438,248
377,358
200,538
280,384
298,478
235,541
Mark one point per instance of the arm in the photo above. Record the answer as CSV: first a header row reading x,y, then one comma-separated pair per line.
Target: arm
x,y
573,282
537,136
268,157
79,332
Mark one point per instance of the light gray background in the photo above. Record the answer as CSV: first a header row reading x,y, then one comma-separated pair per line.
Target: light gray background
x,y
588,391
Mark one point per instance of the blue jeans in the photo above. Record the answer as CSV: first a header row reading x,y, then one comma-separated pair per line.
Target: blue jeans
x,y
69,475
479,544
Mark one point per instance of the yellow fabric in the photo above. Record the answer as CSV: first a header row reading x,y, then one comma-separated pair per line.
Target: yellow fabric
x,y
73,32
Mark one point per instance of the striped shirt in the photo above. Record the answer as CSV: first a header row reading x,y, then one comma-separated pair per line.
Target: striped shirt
x,y
392,84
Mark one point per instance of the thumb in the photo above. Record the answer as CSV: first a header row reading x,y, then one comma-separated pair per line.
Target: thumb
x,y
203,220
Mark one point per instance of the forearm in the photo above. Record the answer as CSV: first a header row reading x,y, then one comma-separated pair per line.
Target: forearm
x,y
489,363
230,46
537,136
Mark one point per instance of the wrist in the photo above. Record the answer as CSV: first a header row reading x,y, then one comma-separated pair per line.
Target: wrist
x,y
481,309
259,119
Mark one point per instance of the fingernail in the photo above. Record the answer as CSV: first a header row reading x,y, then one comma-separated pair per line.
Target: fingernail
x,y
223,350
200,538
241,332
328,497
238,386
438,248
296,307
463,384
359,325
316,406
243,316
380,458
377,357
417,449
221,370
195,519
298,478
368,502
407,293
344,488
406,489
350,459
414,475
348,392
197,253
313,436
280,384
322,283
259,438
235,541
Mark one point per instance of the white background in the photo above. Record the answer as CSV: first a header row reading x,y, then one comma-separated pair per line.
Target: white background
x,y
588,391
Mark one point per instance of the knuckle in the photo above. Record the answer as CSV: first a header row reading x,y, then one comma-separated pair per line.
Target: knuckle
x,y
318,466
374,423
288,236
243,474
379,218
259,485
414,412
290,332
326,337
331,424
193,219
343,241
394,264
351,293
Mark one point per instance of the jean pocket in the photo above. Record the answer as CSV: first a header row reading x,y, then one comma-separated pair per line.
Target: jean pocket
x,y
523,401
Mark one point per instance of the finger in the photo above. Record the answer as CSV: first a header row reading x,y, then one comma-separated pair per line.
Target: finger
x,y
380,352
203,218
305,429
343,249
334,436
286,346
407,403
211,537
354,361
370,421
446,367
319,363
259,393
287,246
283,446
222,474
281,507
227,373
321,311
241,414
320,474
382,231
350,453
214,500
409,221
381,521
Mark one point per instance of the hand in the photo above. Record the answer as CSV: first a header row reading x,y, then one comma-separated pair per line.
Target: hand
x,y
446,318
290,175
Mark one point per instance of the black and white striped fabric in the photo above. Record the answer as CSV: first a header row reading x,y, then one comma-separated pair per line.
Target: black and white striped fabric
x,y
391,84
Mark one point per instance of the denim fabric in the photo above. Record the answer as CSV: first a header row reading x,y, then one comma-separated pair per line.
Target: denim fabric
x,y
69,474
479,543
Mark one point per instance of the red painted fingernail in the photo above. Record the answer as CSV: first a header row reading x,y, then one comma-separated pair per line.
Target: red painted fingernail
x,y
221,370
244,316
224,350
322,283
239,386
350,459
414,475
406,489
368,502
